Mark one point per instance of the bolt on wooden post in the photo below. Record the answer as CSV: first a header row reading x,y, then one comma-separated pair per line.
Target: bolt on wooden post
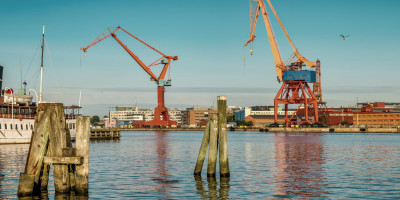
x,y
215,139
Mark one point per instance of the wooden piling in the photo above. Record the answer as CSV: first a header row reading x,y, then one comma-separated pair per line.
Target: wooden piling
x,y
59,140
213,148
223,146
37,152
203,150
82,148
26,184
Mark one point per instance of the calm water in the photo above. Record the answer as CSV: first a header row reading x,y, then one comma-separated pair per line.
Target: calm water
x,y
159,165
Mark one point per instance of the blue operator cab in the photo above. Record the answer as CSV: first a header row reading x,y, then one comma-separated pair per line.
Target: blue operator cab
x,y
303,75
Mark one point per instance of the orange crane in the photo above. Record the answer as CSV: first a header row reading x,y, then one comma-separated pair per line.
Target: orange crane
x,y
295,89
165,60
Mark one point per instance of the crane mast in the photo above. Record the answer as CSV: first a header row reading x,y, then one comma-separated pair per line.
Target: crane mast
x,y
160,110
295,89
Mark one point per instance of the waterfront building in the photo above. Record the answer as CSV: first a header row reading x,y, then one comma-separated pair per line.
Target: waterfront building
x,y
192,116
369,115
259,110
261,121
125,115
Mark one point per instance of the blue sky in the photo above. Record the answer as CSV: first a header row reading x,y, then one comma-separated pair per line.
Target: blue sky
x,y
208,37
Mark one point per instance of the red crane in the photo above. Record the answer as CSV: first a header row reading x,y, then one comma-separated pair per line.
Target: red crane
x,y
165,60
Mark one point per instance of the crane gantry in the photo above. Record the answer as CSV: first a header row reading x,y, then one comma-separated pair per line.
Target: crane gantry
x,y
165,60
294,89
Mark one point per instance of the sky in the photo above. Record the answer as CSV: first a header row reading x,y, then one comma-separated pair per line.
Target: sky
x,y
208,38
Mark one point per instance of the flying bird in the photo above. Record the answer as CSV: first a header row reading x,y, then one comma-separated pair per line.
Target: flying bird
x,y
345,37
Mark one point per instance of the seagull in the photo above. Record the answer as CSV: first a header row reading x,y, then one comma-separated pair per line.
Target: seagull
x,y
345,37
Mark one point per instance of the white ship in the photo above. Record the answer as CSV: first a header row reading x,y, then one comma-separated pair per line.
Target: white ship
x,y
17,117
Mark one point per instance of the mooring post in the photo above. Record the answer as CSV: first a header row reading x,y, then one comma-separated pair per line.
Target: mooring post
x,y
213,149
223,146
82,150
29,181
203,150
59,141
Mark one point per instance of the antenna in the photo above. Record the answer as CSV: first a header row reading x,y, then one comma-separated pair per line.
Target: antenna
x,y
80,96
41,70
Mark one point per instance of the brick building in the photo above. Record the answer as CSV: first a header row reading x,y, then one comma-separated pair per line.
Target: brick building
x,y
261,121
374,114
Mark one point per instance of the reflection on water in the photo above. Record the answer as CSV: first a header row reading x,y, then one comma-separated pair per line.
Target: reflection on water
x,y
159,165
212,191
299,160
12,163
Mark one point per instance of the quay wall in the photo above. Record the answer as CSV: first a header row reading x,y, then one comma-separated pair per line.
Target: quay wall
x,y
277,129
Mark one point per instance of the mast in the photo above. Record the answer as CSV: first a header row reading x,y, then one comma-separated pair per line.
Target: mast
x,y
41,70
20,63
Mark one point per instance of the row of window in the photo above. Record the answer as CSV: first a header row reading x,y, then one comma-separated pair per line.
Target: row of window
x,y
16,127
16,111
380,116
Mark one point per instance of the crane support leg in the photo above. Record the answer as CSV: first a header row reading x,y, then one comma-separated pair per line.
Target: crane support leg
x,y
161,110
297,92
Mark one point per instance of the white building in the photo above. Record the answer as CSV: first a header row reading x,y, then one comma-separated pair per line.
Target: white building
x,y
259,110
126,114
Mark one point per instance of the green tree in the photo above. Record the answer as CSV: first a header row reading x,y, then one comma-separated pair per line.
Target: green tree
x,y
240,123
249,123
94,119
230,117
344,123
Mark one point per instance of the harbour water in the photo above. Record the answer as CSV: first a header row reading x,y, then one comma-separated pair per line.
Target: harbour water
x,y
159,165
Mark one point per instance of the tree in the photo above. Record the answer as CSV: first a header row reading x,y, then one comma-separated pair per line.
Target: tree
x,y
344,123
94,119
249,123
230,117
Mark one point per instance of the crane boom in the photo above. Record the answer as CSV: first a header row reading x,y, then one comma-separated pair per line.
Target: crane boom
x,y
279,64
110,31
298,55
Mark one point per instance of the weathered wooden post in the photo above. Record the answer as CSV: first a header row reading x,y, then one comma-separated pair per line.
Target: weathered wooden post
x,y
223,146
59,141
51,145
215,137
29,181
203,149
213,149
82,150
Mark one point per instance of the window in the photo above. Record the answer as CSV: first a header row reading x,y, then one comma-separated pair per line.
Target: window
x,y
22,128
31,127
0,126
5,126
11,126
26,127
304,75
16,126
290,76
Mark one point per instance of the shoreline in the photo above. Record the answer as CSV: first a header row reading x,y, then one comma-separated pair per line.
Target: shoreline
x,y
271,129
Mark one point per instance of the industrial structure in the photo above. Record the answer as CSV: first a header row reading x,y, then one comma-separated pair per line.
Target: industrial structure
x,y
293,74
165,60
